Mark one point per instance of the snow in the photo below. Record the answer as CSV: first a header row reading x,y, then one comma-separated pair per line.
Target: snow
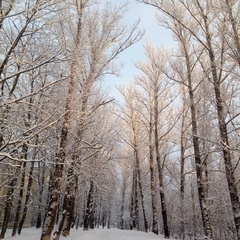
x,y
96,234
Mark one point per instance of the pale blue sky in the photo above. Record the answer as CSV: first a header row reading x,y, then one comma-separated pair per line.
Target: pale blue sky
x,y
153,32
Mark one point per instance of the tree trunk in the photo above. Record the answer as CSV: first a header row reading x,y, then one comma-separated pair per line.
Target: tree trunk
x,y
71,206
103,217
57,233
145,223
27,200
182,181
152,179
194,218
182,164
41,180
49,189
162,200
8,207
9,202
109,218
134,212
77,221
19,204
159,164
65,208
88,212
122,204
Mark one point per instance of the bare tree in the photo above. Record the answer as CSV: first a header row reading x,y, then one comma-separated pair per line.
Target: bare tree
x,y
161,98
198,22
21,87
134,141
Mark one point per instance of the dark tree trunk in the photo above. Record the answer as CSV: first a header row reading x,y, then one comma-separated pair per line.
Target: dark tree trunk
x,y
152,179
70,214
66,210
159,163
77,221
109,218
145,223
163,201
88,217
8,203
182,184
122,204
134,213
100,214
103,220
50,184
182,170
19,204
41,180
71,191
194,217
57,233
27,200
8,207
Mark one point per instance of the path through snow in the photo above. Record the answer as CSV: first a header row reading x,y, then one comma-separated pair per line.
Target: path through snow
x,y
96,234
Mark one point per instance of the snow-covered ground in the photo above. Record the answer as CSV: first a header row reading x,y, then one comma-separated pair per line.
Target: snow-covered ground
x,y
96,234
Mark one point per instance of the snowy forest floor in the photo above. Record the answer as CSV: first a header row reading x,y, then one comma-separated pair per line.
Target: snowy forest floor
x,y
96,234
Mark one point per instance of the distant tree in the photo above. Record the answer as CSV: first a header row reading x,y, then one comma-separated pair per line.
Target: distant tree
x,y
131,119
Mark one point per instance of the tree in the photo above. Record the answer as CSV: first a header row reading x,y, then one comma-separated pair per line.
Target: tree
x,y
160,98
137,195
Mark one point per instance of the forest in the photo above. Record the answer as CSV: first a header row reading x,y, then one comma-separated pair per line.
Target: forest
x,y
164,160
